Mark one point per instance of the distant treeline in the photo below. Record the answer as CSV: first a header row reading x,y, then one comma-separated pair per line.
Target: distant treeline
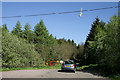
x,y
33,48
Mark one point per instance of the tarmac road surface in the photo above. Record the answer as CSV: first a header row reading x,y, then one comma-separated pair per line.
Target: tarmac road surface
x,y
47,73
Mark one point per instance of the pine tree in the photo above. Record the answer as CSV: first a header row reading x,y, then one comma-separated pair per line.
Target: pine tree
x,y
90,48
43,41
17,29
41,33
4,28
27,33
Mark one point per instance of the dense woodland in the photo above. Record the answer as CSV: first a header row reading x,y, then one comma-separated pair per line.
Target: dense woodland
x,y
102,45
33,48
25,48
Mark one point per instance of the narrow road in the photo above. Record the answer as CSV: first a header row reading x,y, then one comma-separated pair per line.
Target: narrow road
x,y
47,73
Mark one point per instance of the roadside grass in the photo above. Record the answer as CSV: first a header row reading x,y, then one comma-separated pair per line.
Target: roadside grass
x,y
57,66
87,66
99,68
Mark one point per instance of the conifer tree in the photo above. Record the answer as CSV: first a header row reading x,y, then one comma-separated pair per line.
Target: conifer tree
x,y
27,33
5,28
89,48
17,29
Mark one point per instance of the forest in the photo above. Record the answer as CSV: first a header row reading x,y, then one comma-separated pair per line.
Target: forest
x,y
33,48
102,45
27,48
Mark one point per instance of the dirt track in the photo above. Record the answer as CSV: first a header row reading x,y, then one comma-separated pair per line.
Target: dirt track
x,y
47,73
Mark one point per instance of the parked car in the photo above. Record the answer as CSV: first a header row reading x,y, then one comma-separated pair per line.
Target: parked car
x,y
69,65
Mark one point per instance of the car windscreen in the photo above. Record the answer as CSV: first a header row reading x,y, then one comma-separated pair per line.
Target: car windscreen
x,y
68,62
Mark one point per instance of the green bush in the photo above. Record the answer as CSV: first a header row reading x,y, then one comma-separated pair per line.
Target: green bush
x,y
17,52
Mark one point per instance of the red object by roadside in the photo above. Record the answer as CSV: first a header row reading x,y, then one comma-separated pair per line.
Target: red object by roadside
x,y
50,63
47,63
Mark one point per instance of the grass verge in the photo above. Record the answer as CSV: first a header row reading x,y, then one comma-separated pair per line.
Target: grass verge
x,y
57,66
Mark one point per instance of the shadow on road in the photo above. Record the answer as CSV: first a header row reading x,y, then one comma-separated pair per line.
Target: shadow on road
x,y
94,72
66,71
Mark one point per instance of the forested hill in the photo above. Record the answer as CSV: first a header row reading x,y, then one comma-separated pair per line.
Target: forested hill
x,y
25,48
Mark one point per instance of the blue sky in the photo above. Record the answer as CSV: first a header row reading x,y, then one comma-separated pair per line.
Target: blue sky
x,y
68,26
60,0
